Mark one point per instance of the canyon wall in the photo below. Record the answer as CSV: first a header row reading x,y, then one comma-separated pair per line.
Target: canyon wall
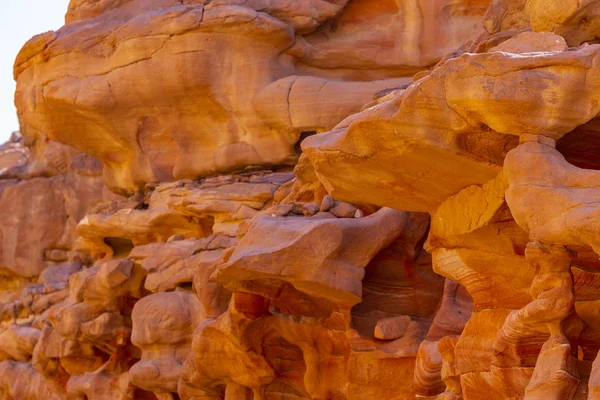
x,y
317,199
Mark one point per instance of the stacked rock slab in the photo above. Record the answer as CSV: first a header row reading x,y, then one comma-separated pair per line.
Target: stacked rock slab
x,y
521,240
319,200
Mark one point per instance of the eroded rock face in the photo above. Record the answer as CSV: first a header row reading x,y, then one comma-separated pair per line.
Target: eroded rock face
x,y
466,114
132,95
309,206
518,240
164,327
59,188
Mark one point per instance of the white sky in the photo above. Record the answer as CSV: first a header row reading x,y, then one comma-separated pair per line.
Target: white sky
x,y
19,21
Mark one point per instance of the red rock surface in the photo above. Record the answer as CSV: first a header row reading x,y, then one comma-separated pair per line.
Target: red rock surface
x,y
320,200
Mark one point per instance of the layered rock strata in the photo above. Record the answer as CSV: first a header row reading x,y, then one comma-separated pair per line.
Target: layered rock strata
x,y
324,200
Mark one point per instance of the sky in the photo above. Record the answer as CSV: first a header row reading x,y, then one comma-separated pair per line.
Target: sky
x,y
19,21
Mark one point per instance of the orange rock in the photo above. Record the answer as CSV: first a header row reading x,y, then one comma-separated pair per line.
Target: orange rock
x,y
572,20
171,264
336,278
163,327
437,238
568,193
532,42
17,342
445,116
18,380
111,381
52,206
271,101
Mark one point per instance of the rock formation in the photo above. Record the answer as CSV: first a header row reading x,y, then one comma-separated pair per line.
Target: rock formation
x,y
319,200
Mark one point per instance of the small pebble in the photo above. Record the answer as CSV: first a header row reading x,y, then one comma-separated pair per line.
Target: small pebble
x,y
327,203
343,210
310,209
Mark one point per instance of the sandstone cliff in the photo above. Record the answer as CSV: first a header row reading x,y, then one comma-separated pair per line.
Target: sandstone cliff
x,y
317,199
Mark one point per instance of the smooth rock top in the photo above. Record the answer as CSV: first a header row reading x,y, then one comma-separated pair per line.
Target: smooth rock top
x,y
532,42
465,115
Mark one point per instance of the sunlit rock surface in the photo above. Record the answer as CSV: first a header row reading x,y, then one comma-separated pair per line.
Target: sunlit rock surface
x,y
121,79
319,200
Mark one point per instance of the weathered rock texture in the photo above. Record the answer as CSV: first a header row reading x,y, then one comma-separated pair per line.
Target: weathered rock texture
x,y
319,200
